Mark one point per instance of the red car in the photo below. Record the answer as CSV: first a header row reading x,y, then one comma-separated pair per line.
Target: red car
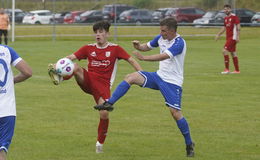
x,y
185,15
72,17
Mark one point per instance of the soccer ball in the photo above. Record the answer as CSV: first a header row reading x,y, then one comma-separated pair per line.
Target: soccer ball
x,y
64,67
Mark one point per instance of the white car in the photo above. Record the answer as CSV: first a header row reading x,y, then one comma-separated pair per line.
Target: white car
x,y
38,17
256,18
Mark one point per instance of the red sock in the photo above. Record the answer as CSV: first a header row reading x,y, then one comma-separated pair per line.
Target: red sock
x,y
235,61
102,130
226,61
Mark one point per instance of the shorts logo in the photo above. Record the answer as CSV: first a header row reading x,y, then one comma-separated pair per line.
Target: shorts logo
x,y
93,54
108,54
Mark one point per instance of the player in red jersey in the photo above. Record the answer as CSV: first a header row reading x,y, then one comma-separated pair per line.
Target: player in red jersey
x,y
232,28
97,80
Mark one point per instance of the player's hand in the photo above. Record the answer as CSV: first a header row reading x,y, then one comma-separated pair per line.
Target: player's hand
x,y
136,44
138,55
237,40
216,37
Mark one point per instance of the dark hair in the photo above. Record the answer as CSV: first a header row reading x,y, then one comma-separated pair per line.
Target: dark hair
x,y
171,23
227,6
101,25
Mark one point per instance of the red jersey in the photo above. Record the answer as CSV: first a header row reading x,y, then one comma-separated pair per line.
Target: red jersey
x,y
230,23
102,61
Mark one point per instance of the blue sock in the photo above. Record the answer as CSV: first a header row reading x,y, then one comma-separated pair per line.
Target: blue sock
x,y
121,90
184,128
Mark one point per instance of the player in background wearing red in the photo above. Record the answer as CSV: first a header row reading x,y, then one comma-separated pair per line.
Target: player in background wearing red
x,y
97,79
232,28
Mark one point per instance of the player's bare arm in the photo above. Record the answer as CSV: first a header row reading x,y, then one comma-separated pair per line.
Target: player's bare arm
x,y
134,63
72,57
222,30
238,32
25,72
141,47
155,57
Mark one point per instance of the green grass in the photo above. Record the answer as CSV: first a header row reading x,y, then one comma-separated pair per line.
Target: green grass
x,y
59,123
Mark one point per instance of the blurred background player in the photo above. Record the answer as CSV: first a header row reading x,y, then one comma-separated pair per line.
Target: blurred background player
x,y
168,79
4,22
97,80
232,28
9,57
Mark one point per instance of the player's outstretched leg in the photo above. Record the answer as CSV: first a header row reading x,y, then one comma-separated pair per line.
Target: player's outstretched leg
x,y
120,91
55,78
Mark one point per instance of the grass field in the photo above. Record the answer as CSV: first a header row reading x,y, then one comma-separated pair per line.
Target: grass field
x,y
59,123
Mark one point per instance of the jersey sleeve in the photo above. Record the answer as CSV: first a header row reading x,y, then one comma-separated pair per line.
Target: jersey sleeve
x,y
154,43
15,58
236,20
82,53
176,48
121,53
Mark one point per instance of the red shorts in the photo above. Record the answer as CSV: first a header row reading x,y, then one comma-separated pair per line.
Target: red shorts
x,y
230,45
95,85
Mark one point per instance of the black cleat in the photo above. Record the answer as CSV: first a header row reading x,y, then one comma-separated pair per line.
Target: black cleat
x,y
105,106
190,150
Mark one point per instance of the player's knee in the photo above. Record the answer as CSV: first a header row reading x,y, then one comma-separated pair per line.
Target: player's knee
x,y
77,68
130,78
104,114
234,54
176,114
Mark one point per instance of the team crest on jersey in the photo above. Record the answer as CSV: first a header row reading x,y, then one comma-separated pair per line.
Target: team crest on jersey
x,y
108,54
93,54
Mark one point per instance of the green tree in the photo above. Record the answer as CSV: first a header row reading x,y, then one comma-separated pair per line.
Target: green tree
x,y
209,3
143,3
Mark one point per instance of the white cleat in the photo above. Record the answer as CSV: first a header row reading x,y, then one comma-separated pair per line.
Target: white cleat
x,y
226,71
99,147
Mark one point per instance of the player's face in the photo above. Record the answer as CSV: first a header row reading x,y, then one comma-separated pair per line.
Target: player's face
x,y
227,10
167,33
101,36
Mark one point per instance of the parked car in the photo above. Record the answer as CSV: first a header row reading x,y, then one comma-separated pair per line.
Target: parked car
x,y
72,17
109,11
256,18
185,15
156,16
58,17
244,15
137,16
206,19
91,16
38,17
19,14
219,18
159,14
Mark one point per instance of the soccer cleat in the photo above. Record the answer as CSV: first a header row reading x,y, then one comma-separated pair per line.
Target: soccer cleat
x,y
190,150
235,72
55,78
105,106
99,147
226,71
